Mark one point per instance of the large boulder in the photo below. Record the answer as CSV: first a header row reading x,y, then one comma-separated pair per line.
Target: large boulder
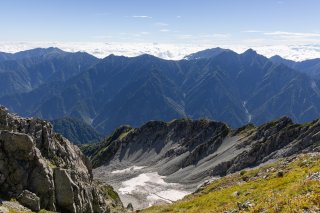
x,y
30,200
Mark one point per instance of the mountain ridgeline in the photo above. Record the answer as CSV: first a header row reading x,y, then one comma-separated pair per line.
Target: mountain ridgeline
x,y
25,71
106,93
186,153
189,151
309,67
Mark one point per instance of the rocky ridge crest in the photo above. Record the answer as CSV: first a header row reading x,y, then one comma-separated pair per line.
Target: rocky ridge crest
x,y
190,151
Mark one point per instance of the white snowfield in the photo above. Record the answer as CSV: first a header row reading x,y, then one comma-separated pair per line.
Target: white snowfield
x,y
132,168
135,184
154,187
142,187
244,104
163,50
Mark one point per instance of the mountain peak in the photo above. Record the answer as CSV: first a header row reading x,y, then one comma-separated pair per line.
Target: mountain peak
x,y
280,60
112,57
146,56
38,52
250,52
277,57
205,54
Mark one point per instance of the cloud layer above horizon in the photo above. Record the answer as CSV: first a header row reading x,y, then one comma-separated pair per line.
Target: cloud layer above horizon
x,y
165,51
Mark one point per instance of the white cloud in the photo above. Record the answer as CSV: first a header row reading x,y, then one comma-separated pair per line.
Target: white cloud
x,y
281,38
292,34
291,38
141,16
166,50
164,30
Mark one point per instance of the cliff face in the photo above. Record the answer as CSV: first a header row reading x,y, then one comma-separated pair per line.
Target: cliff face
x,y
44,170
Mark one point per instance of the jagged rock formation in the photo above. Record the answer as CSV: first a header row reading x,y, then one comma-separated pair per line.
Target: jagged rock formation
x,y
44,170
188,152
194,141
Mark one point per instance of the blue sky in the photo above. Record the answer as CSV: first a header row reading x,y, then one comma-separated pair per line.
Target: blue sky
x,y
264,22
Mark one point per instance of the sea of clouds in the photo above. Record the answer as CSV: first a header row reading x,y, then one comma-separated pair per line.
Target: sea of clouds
x,y
165,51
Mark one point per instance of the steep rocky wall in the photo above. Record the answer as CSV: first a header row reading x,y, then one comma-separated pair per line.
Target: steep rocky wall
x,y
44,170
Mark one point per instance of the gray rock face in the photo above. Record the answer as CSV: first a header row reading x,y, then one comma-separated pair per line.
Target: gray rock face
x,y
64,189
30,200
44,170
314,176
204,148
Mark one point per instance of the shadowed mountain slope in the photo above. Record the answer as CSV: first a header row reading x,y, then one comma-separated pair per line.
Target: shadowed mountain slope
x,y
230,87
76,131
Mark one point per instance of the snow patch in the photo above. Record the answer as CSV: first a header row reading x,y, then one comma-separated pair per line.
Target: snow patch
x,y
135,184
315,87
130,169
244,104
153,186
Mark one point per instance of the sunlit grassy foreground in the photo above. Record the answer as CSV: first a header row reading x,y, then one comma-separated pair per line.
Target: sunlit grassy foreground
x,y
289,185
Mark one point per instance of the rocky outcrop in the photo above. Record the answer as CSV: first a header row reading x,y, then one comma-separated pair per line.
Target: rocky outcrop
x,y
44,170
30,200
167,140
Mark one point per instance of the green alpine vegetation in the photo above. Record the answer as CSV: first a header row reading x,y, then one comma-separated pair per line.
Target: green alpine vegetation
x,y
289,185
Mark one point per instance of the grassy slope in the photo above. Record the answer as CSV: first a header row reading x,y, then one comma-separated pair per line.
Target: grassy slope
x,y
264,188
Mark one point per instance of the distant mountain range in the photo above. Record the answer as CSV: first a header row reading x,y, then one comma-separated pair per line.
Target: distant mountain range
x,y
25,71
168,51
310,67
105,93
